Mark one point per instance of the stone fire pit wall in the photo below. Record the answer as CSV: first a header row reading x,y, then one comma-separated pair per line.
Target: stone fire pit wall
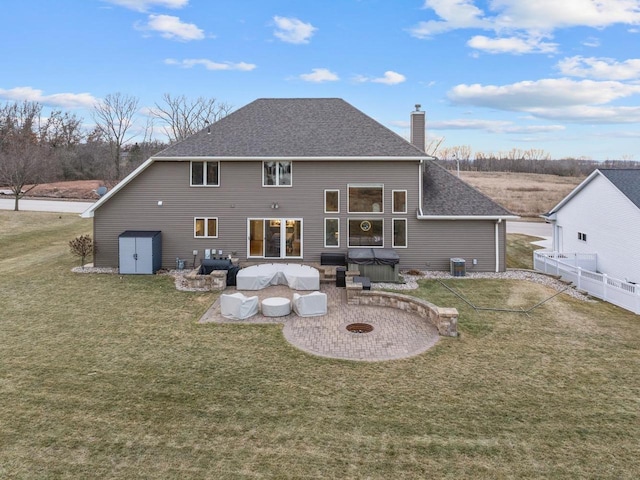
x,y
444,319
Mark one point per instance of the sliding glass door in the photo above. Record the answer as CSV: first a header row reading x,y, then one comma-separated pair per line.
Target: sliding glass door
x,y
275,238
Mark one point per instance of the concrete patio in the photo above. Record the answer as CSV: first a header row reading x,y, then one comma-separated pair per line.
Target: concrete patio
x,y
396,334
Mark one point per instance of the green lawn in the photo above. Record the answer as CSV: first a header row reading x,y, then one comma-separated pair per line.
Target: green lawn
x,y
103,376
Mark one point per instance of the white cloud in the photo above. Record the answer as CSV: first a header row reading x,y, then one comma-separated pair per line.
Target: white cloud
x,y
587,114
525,20
173,28
592,42
570,100
64,100
144,5
319,75
210,64
389,78
516,45
548,93
292,30
600,68
455,14
493,126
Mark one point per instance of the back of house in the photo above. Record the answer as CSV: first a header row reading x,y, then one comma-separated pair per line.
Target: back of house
x,y
286,180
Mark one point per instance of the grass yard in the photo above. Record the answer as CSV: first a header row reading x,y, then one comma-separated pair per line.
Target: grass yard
x,y
110,377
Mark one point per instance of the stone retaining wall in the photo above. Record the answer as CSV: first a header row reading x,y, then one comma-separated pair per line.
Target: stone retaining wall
x,y
444,319
216,280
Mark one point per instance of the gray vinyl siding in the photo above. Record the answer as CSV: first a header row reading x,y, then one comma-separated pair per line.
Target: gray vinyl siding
x,y
241,196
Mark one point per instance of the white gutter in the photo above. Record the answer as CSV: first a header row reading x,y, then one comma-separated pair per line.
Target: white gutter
x,y
420,175
498,245
288,157
497,218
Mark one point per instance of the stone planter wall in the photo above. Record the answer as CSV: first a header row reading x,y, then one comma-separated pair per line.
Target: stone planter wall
x,y
444,319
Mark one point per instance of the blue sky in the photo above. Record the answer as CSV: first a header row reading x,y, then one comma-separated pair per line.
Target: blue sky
x,y
558,75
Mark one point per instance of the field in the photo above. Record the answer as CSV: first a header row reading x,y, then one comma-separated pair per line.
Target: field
x,y
525,194
105,376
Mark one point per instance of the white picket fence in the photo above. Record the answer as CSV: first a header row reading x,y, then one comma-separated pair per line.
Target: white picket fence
x,y
579,269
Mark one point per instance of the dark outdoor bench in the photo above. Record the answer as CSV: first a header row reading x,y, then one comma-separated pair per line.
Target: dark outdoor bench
x,y
209,266
365,281
339,259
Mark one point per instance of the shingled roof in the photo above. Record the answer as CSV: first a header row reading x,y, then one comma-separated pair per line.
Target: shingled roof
x,y
295,127
444,194
627,180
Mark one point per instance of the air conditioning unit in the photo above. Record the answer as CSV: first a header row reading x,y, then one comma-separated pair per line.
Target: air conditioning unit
x,y
458,267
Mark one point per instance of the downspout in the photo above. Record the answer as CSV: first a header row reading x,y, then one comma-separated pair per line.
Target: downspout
x,y
498,244
420,174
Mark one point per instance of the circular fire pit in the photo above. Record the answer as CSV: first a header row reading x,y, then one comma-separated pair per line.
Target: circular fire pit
x,y
359,328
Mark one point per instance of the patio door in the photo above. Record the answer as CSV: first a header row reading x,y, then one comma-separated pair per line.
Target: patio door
x,y
274,238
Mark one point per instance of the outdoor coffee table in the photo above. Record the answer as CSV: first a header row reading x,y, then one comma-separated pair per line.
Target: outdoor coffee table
x,y
276,307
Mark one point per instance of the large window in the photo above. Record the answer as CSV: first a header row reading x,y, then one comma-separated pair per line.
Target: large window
x,y
275,237
276,174
366,198
331,201
205,174
399,232
366,232
331,232
399,201
205,227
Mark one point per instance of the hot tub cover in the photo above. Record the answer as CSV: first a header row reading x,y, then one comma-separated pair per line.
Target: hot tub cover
x,y
373,256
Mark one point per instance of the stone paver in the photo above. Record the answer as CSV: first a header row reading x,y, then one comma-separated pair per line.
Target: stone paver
x,y
396,334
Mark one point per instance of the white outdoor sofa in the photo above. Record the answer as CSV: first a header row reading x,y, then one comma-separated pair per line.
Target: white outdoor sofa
x,y
297,277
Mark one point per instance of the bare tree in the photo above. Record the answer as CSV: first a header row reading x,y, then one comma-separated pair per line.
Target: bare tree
x,y
22,155
183,117
114,117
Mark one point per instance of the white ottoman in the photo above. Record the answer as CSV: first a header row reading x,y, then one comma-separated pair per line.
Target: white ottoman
x,y
276,307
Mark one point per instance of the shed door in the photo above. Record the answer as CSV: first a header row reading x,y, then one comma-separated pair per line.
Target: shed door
x,y
127,255
144,258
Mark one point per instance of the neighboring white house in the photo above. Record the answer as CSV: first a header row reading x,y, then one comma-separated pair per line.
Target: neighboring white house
x,y
602,216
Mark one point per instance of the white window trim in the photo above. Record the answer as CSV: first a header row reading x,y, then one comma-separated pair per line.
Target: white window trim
x,y
325,199
357,219
325,232
406,201
278,176
393,233
365,185
283,238
204,173
206,226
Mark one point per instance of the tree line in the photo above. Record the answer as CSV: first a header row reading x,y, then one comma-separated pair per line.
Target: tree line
x,y
523,161
40,148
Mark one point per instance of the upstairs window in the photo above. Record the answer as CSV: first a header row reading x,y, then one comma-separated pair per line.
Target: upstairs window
x,y
331,201
276,174
582,237
205,174
399,201
366,198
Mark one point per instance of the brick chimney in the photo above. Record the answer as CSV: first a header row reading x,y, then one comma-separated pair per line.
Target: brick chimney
x,y
418,128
